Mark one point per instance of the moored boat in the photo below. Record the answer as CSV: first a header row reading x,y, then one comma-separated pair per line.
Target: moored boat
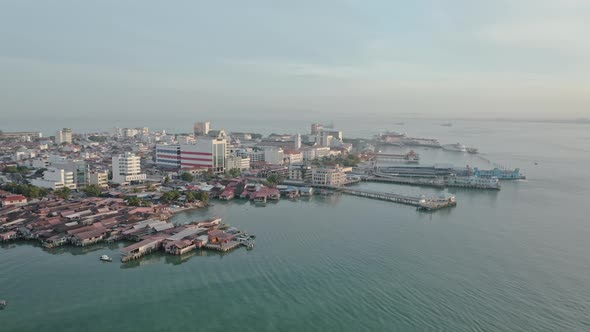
x,y
106,258
455,147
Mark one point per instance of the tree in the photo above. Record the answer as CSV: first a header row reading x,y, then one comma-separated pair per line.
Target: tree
x,y
234,172
274,179
149,187
191,197
166,180
64,193
188,177
92,190
133,201
170,196
209,174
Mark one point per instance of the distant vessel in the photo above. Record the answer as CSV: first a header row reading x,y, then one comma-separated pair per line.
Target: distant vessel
x,y
448,124
455,147
3,304
472,150
502,174
473,182
106,258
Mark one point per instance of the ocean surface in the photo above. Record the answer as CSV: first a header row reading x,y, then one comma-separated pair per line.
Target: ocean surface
x,y
517,259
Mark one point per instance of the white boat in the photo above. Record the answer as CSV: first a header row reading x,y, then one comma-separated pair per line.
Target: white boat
x,y
455,147
3,304
106,258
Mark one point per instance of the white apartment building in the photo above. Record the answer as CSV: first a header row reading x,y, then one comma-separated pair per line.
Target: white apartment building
x,y
274,155
328,176
299,173
100,179
293,157
54,178
241,163
63,136
314,152
127,169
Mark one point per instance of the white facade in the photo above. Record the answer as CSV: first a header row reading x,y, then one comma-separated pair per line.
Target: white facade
x,y
64,136
241,163
274,156
100,179
54,178
205,152
328,176
299,173
311,153
127,168
293,157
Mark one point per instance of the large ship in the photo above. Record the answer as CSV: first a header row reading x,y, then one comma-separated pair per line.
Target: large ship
x,y
455,147
473,182
425,142
502,174
390,138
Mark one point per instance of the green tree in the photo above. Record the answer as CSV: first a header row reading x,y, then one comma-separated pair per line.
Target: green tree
x,y
166,180
92,190
234,172
64,193
149,187
274,179
170,196
133,201
209,174
191,197
188,177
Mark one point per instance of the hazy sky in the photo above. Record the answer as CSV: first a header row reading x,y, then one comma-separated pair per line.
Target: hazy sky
x,y
464,58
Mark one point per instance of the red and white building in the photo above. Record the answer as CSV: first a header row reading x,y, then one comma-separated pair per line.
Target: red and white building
x,y
9,199
206,152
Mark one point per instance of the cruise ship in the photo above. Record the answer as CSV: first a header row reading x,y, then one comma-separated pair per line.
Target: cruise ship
x,y
455,147
502,174
473,182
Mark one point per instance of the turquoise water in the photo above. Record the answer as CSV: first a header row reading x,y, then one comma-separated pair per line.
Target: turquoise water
x,y
514,260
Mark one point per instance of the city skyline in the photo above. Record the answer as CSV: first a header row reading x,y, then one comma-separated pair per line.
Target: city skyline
x,y
506,59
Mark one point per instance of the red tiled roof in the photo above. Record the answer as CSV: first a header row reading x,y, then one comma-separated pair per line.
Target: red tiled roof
x,y
14,198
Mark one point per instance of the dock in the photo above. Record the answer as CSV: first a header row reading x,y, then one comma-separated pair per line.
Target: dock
x,y
425,182
421,203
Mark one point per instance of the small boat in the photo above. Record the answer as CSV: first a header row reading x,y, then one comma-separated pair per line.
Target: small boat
x,y
3,304
106,258
472,150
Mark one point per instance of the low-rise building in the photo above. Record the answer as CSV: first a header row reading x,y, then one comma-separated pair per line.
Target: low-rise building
x,y
54,178
11,200
237,162
99,178
328,176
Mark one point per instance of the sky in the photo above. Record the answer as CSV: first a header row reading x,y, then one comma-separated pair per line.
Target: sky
x,y
197,59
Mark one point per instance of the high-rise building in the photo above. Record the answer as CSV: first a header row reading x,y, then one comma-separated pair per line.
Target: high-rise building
x,y
127,169
205,152
63,136
316,128
202,128
297,142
